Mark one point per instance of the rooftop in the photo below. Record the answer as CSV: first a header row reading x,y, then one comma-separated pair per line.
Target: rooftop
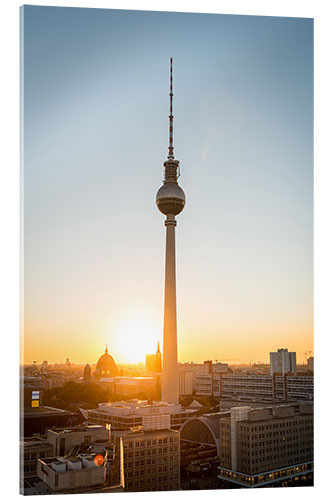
x,y
44,411
277,412
34,441
138,431
78,428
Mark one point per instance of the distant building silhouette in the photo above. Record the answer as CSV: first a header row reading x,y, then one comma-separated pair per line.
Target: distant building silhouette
x,y
311,364
87,372
154,361
283,362
106,366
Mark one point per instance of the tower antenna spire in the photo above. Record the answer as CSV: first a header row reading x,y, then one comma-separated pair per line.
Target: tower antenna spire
x,y
170,156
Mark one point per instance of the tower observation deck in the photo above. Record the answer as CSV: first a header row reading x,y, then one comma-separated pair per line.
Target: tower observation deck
x,y
170,200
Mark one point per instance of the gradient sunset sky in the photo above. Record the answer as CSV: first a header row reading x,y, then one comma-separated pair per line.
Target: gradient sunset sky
x,y
95,138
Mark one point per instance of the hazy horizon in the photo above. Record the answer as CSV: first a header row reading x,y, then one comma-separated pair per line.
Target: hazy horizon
x,y
95,138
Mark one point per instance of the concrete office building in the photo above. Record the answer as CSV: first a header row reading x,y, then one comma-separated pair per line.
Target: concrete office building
x,y
199,377
127,414
131,386
266,388
170,200
31,450
282,362
268,446
246,386
77,473
83,460
149,456
293,388
187,375
64,440
208,384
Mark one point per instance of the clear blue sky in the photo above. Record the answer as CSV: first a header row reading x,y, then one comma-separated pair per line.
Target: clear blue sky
x,y
95,138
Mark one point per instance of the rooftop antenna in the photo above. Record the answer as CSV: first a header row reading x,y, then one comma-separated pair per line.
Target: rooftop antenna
x,y
170,156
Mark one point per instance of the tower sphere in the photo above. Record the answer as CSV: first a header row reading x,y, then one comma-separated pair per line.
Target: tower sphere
x,y
170,199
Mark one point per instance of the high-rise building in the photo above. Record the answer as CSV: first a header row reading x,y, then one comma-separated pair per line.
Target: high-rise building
x,y
283,362
170,200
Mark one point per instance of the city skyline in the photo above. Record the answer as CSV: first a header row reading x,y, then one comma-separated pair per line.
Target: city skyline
x,y
96,112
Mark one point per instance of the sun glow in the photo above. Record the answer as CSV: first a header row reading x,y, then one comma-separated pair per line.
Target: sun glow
x,y
134,337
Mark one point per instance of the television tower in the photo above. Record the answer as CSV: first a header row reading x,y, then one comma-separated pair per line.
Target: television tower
x,y
170,200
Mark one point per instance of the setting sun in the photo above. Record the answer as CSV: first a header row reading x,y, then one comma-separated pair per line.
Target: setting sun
x,y
134,337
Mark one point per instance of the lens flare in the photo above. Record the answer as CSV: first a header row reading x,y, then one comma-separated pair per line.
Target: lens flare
x,y
99,460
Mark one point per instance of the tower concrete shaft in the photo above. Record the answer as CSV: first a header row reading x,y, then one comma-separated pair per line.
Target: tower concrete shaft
x,y
170,384
170,200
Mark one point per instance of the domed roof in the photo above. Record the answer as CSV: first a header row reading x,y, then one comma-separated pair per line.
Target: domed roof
x,y
106,365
